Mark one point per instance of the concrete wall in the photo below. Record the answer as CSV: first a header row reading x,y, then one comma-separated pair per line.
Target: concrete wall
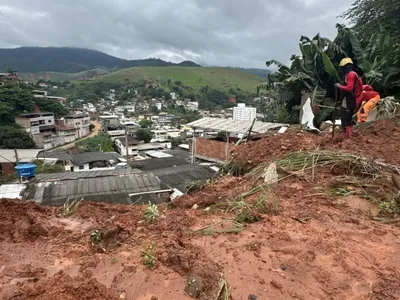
x,y
211,150
81,124
7,168
132,150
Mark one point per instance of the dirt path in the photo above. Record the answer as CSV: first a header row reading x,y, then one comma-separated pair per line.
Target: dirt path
x,y
95,131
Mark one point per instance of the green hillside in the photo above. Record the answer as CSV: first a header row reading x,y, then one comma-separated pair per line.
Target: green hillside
x,y
57,76
221,79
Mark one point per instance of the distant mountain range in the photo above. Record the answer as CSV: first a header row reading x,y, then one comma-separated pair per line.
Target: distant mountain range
x,y
72,60
72,63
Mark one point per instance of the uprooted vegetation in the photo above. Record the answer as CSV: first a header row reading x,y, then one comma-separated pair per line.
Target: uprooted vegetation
x,y
326,227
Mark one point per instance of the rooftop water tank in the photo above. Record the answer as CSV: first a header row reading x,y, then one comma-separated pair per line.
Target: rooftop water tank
x,y
26,170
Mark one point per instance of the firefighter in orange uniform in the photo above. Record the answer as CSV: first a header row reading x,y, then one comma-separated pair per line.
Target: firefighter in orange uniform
x,y
366,102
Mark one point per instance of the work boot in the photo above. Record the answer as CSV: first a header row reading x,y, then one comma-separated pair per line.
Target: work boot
x,y
347,134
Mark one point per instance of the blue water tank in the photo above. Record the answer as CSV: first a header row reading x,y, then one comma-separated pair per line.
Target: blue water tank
x,y
26,170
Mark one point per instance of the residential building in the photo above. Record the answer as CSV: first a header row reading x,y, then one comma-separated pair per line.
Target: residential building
x,y
32,122
174,133
159,135
41,127
192,105
59,157
173,96
66,134
94,161
110,122
44,95
116,134
81,122
243,113
159,105
4,77
123,146
130,126
135,148
129,109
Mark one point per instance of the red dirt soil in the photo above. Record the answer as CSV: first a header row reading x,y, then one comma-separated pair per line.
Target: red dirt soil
x,y
379,141
316,247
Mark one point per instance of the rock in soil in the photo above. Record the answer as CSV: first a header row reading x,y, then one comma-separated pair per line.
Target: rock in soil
x,y
194,286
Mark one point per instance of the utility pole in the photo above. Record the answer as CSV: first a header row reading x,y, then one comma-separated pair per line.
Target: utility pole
x,y
16,157
194,146
17,162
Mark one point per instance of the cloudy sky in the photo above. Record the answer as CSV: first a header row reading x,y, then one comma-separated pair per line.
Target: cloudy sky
x,y
242,33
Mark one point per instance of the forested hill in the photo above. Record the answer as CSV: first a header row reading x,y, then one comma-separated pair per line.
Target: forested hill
x,y
72,60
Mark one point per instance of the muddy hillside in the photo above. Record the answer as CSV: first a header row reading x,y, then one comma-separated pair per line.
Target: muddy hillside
x,y
294,216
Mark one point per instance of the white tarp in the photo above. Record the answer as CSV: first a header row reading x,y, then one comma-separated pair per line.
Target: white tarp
x,y
307,118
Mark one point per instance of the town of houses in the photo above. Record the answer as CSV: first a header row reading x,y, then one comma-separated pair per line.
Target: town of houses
x,y
177,153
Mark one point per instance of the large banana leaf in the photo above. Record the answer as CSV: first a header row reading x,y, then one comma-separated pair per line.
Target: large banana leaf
x,y
359,52
328,65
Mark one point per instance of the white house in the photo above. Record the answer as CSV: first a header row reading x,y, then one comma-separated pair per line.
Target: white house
x,y
122,146
79,121
243,113
193,105
174,133
159,135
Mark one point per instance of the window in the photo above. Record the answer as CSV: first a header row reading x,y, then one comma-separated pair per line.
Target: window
x,y
49,121
41,122
81,167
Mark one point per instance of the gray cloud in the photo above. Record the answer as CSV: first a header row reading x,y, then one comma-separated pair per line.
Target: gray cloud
x,y
211,32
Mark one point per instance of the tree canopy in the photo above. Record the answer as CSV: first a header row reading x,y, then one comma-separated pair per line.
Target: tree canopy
x,y
14,100
143,135
48,105
101,142
12,137
368,15
373,49
145,123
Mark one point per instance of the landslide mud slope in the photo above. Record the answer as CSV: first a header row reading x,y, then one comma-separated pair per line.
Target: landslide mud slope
x,y
318,234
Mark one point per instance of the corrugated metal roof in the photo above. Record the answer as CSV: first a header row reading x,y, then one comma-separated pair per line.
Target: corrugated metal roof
x,y
24,155
111,189
158,154
233,126
84,175
57,154
87,157
158,163
180,177
11,191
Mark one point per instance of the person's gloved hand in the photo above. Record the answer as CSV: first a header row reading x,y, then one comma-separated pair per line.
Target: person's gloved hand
x,y
337,85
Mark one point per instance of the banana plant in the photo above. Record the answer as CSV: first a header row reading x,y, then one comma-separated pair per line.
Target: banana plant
x,y
378,58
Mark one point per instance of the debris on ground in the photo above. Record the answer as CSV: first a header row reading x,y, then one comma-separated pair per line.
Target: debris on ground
x,y
326,226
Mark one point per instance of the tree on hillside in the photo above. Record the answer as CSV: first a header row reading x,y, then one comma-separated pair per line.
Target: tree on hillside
x,y
145,123
368,16
48,105
15,138
154,110
14,100
101,142
143,135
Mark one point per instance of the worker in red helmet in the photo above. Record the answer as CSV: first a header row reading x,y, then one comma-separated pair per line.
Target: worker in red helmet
x,y
351,91
366,102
